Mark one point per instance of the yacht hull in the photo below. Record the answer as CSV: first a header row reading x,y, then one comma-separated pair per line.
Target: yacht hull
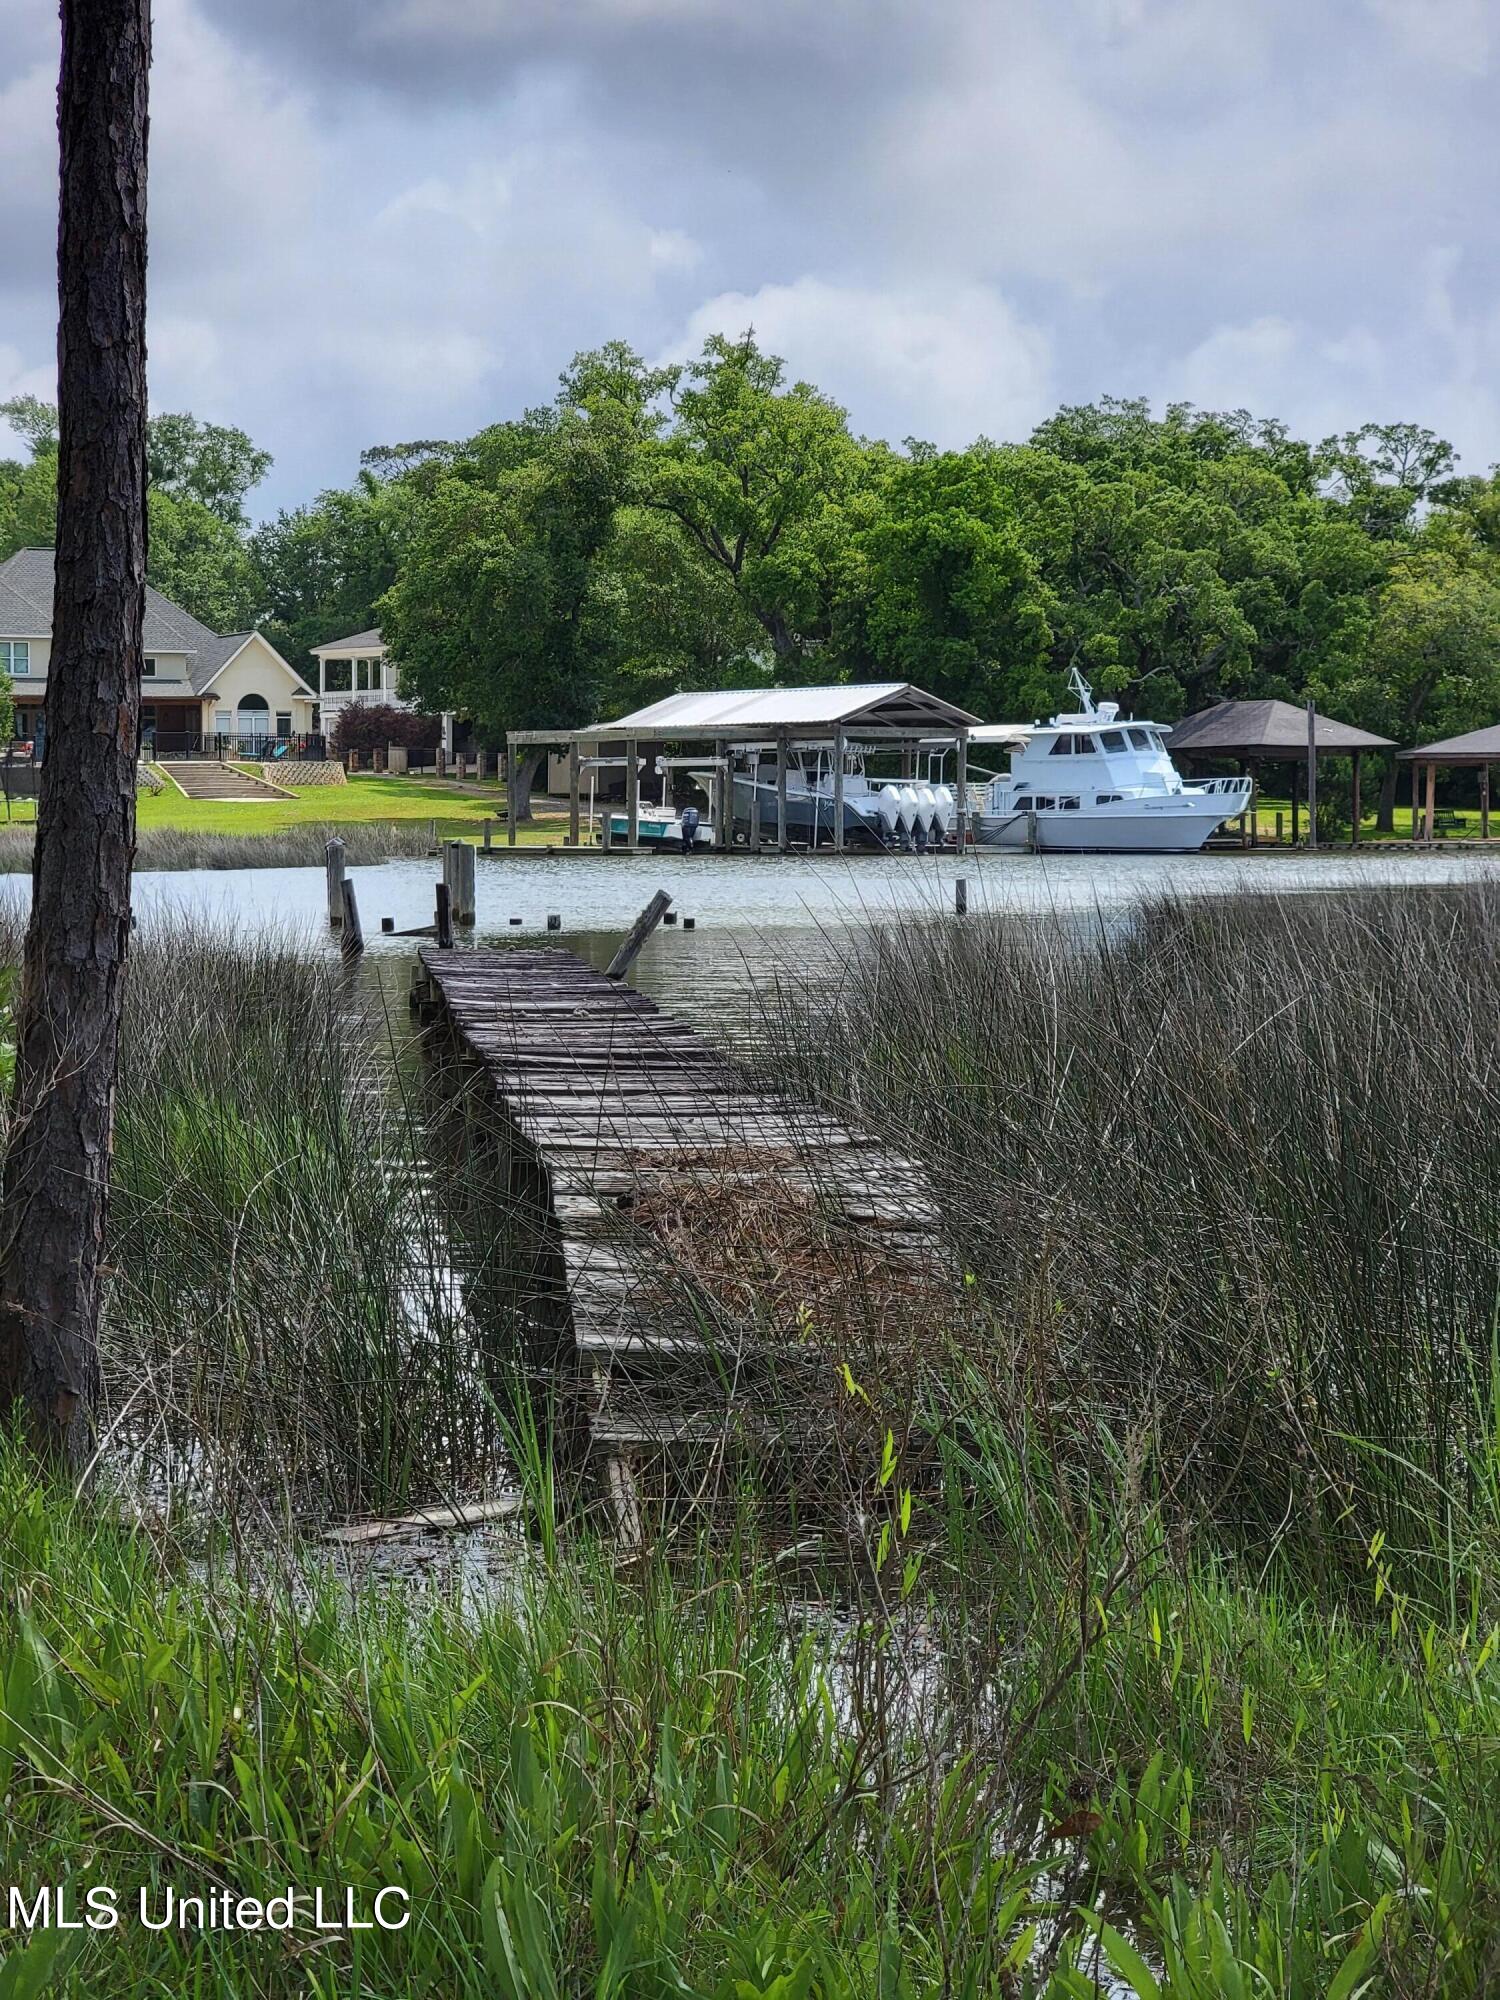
x,y
1173,827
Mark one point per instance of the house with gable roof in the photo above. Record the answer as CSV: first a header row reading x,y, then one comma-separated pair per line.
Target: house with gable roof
x,y
201,691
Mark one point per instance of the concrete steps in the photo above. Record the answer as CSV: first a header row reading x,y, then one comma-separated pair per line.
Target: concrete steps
x,y
201,778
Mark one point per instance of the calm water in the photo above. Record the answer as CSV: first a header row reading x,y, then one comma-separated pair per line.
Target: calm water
x,y
751,915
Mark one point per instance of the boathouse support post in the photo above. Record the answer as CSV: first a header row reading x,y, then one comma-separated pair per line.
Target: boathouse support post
x,y
1354,817
1312,777
1429,809
1252,765
782,841
1296,804
1416,807
573,793
838,789
510,791
755,802
632,797
723,797
961,791
333,855
1484,802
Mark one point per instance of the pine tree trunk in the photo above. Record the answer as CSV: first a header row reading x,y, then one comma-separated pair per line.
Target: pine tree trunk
x,y
68,1015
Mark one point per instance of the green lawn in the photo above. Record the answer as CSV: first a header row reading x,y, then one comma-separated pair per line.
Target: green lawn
x,y
1466,829
364,799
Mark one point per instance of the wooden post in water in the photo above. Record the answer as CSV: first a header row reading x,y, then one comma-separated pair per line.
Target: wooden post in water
x,y
353,940
781,830
461,880
573,793
961,897
637,935
489,835
1312,778
1280,822
632,796
443,920
334,863
510,793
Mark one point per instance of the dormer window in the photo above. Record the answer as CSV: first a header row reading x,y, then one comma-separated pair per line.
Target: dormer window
x,y
15,656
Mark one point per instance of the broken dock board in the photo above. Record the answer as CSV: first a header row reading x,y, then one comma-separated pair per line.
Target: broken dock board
x,y
642,1128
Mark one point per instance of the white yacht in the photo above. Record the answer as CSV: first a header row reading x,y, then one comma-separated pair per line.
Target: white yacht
x,y
1092,783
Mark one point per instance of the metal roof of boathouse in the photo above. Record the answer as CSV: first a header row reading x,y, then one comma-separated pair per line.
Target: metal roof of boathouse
x,y
891,707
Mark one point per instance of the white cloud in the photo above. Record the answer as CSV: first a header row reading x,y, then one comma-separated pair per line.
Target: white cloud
x,y
943,363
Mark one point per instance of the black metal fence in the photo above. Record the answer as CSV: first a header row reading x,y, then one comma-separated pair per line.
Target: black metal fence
x,y
260,749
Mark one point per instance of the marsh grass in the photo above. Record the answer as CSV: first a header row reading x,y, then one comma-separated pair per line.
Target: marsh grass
x,y
1228,1171
1137,1667
174,848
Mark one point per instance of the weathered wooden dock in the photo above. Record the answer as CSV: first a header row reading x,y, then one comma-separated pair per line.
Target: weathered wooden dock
x,y
682,1195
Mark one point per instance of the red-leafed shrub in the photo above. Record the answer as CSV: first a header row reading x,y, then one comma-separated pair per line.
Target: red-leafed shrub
x,y
373,725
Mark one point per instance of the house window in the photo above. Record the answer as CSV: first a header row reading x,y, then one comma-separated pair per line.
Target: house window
x,y
148,669
283,723
223,721
15,656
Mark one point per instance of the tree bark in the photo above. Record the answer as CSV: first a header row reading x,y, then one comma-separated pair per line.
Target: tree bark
x,y
527,767
68,1015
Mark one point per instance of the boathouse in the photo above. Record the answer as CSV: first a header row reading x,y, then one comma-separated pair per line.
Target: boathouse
x,y
729,727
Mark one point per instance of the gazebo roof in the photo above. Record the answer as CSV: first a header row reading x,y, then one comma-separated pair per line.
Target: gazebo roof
x,y
1479,746
1266,729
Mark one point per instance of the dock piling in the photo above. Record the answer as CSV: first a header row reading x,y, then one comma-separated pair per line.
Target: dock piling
x,y
334,863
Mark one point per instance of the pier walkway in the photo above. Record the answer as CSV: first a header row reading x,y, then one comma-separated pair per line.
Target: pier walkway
x,y
682,1196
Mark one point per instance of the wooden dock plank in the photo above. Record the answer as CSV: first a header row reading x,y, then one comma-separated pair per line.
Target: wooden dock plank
x,y
626,1107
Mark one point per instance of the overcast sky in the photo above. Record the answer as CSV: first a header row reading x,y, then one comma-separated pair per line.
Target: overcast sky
x,y
375,220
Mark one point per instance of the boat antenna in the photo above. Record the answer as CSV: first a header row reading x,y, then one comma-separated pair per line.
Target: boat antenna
x,y
1082,689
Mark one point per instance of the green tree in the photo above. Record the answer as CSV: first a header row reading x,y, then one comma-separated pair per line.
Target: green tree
x,y
757,475
214,465
1432,666
324,568
488,614
201,562
944,590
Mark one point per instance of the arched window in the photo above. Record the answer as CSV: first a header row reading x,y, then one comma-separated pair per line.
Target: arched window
x,y
254,716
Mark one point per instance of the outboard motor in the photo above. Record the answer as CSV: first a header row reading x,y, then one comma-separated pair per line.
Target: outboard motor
x,y
911,813
927,807
888,806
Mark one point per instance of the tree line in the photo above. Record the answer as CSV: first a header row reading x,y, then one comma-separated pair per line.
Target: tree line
x,y
714,524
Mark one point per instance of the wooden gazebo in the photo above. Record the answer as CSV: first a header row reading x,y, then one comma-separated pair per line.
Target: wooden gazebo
x,y
1480,747
1273,732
